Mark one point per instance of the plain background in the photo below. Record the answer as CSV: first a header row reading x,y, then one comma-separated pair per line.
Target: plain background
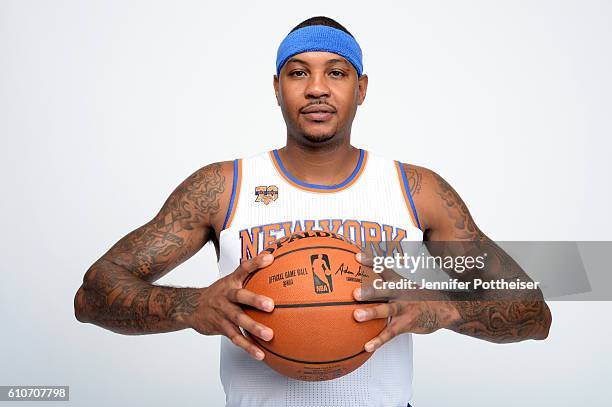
x,y
105,106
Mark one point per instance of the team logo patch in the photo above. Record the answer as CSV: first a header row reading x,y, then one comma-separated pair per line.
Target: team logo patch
x,y
321,274
266,194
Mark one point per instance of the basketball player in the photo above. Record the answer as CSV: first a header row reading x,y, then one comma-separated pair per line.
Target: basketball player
x,y
317,181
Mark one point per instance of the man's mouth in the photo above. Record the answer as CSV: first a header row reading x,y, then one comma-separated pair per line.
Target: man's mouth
x,y
318,116
319,112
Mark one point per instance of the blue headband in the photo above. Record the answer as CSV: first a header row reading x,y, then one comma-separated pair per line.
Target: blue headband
x,y
319,38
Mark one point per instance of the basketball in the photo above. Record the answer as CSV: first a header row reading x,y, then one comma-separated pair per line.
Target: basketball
x,y
311,282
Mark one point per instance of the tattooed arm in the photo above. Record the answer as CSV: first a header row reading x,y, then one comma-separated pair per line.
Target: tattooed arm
x,y
117,291
492,315
486,314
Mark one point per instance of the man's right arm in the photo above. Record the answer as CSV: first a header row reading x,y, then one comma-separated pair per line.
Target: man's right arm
x,y
117,291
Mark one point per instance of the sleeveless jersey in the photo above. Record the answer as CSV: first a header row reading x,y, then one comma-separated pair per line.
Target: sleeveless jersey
x,y
266,204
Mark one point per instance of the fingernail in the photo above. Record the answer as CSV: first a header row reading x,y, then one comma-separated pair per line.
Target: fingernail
x,y
266,335
267,257
370,346
259,355
358,293
360,314
358,257
268,305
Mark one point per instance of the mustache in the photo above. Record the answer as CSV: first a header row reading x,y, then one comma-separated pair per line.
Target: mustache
x,y
318,103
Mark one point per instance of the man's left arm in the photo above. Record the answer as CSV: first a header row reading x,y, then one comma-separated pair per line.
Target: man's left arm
x,y
493,315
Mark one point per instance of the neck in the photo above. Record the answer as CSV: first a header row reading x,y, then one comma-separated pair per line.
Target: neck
x,y
324,165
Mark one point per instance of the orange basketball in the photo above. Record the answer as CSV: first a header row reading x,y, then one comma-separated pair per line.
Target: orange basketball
x,y
311,282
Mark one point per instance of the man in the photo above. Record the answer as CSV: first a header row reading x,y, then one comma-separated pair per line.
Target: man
x,y
317,181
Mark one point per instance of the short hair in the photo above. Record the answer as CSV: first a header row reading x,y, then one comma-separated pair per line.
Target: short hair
x,y
321,20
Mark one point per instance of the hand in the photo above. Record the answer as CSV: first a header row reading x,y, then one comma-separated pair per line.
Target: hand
x,y
407,312
219,311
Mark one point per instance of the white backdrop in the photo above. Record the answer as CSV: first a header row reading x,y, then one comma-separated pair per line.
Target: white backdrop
x,y
105,106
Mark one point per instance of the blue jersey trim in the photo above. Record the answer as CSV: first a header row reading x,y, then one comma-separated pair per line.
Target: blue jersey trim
x,y
231,204
407,188
318,186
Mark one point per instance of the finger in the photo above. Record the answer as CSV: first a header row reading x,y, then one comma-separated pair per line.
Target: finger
x,y
244,321
377,312
365,259
238,339
248,266
385,336
246,297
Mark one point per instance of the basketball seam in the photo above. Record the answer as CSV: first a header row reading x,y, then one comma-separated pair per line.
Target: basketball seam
x,y
304,361
327,304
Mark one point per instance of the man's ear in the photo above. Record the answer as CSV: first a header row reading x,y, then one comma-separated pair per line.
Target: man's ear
x,y
362,82
276,85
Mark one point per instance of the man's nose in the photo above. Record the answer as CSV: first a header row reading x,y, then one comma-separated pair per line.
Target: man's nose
x,y
317,86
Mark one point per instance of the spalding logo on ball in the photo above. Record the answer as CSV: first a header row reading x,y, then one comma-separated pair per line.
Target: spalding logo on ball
x,y
311,281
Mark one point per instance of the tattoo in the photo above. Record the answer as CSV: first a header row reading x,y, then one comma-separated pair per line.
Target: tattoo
x,y
170,238
498,315
428,320
414,179
465,228
117,292
503,321
504,265
493,315
123,303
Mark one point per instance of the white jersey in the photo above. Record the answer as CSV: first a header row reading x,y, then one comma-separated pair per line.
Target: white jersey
x,y
267,203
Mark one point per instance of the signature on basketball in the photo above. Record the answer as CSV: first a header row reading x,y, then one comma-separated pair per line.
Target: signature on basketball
x,y
344,269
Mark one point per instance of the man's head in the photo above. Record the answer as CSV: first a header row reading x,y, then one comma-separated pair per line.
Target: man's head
x,y
319,81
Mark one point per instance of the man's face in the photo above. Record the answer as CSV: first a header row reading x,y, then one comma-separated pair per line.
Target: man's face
x,y
319,93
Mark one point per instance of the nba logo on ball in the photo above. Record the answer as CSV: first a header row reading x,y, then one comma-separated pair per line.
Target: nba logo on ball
x,y
321,274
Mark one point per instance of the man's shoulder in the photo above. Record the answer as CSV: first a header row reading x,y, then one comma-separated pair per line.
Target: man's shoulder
x,y
419,173
224,170
430,191
414,175
220,169
211,179
207,191
422,180
406,166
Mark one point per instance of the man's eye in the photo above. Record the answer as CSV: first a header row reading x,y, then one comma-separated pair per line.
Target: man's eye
x,y
337,74
298,74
